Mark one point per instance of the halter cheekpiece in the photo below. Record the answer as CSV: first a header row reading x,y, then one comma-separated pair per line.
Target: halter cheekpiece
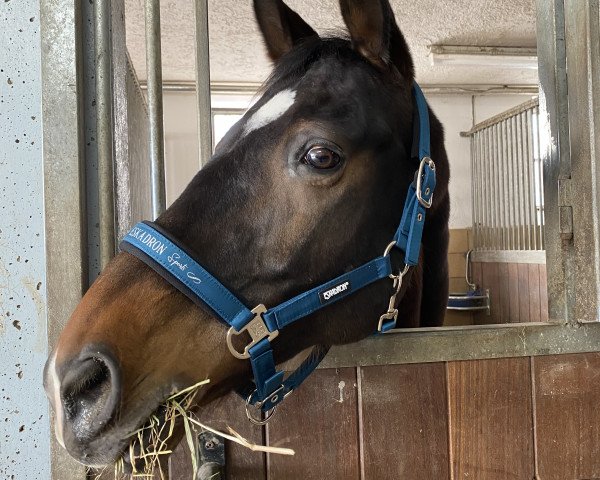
x,y
155,247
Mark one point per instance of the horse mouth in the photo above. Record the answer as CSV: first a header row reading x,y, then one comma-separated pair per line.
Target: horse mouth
x,y
146,448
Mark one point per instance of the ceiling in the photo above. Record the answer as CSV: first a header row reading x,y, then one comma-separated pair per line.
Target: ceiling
x,y
237,53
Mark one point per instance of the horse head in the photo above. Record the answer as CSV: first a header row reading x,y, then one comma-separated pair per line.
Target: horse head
x,y
309,184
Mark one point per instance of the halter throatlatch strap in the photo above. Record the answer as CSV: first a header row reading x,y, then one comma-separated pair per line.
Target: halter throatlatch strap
x,y
164,254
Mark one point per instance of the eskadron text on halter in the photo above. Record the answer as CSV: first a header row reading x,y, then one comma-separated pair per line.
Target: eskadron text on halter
x,y
161,252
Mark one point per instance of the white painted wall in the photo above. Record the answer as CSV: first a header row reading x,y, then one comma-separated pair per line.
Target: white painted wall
x,y
457,112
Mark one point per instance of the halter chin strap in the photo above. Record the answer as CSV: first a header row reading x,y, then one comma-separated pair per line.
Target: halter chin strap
x,y
161,252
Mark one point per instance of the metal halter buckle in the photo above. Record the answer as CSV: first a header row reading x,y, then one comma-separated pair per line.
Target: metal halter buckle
x,y
425,161
392,311
256,328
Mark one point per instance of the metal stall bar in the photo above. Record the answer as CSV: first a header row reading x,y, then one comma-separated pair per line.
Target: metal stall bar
x,y
475,189
528,149
540,176
478,239
507,180
205,139
505,194
498,188
486,182
104,125
527,198
507,191
155,106
513,188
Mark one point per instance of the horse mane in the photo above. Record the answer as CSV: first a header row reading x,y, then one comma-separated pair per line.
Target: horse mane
x,y
295,63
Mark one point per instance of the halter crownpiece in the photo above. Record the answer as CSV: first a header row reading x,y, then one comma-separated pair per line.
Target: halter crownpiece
x,y
155,247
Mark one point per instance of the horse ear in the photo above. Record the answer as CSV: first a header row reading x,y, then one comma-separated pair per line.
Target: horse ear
x,y
282,28
376,36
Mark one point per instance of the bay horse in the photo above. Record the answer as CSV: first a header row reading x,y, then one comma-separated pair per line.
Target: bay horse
x,y
309,184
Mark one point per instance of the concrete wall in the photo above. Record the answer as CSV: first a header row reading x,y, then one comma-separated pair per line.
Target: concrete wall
x,y
24,416
458,113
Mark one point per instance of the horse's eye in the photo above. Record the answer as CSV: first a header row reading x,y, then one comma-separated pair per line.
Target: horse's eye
x,y
322,158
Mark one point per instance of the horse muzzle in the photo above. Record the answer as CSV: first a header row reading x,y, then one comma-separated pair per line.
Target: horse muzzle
x,y
85,393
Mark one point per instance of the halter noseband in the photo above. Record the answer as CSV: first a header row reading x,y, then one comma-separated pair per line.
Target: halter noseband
x,y
155,247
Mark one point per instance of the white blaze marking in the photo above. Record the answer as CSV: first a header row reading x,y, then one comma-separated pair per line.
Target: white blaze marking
x,y
271,110
58,407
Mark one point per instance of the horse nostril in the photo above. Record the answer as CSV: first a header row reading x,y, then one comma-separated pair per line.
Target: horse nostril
x,y
90,394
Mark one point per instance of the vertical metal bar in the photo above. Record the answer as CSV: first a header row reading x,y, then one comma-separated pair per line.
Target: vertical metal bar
x,y
534,187
542,220
490,187
513,186
519,182
481,189
205,137
527,165
505,199
104,125
495,202
503,204
48,208
507,192
498,180
492,173
474,186
486,189
155,106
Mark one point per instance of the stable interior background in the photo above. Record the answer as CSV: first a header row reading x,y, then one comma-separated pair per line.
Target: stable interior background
x,y
460,95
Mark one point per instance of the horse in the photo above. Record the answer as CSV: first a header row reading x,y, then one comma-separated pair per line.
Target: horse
x,y
307,185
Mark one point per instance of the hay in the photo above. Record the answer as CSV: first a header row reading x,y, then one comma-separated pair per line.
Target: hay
x,y
148,445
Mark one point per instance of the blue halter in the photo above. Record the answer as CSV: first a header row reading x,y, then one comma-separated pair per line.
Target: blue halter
x,y
161,252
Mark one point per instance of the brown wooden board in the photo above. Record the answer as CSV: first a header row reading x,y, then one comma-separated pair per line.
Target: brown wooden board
x,y
543,294
319,421
567,393
491,425
524,294
404,417
504,292
513,291
534,293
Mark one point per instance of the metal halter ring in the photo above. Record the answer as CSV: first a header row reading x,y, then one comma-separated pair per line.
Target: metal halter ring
x,y
386,253
263,421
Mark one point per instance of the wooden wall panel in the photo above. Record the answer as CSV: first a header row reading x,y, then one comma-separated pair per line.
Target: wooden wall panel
x,y
405,422
543,294
241,463
491,435
567,393
504,293
320,423
534,293
524,294
518,292
513,291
